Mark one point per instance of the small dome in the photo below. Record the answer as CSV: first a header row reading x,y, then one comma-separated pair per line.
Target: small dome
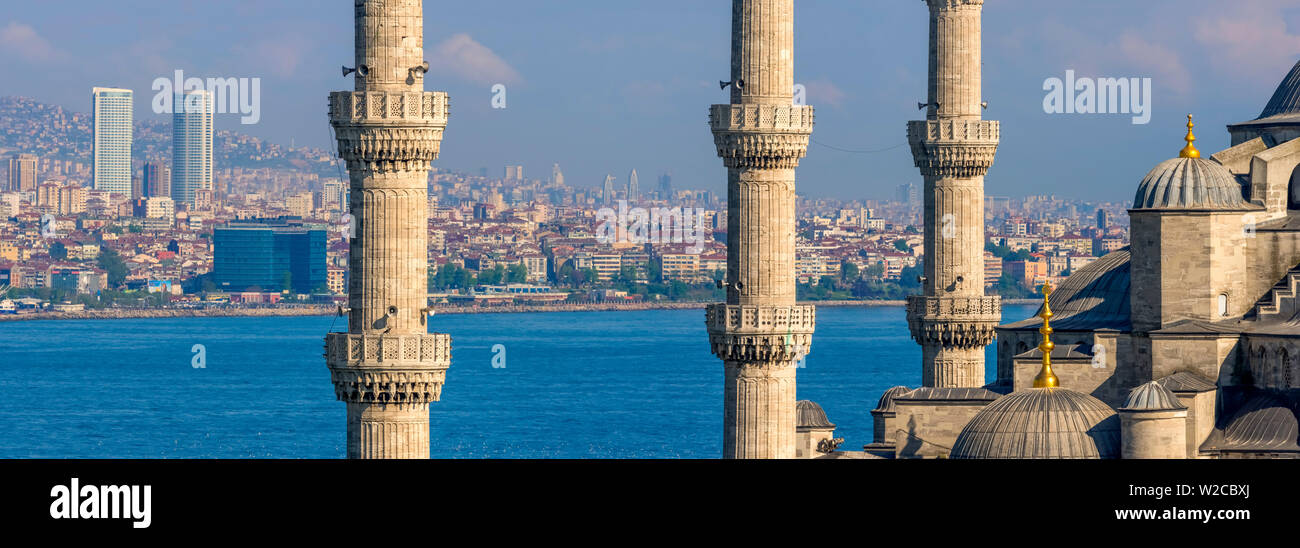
x,y
1189,183
1041,423
811,415
1152,396
886,404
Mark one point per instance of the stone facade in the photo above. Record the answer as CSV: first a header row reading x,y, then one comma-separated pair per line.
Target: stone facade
x,y
760,333
388,368
954,148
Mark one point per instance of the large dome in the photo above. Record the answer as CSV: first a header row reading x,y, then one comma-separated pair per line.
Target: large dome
x,y
1041,423
1189,183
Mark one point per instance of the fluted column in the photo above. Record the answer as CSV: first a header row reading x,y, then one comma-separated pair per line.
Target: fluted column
x,y
760,332
954,148
388,368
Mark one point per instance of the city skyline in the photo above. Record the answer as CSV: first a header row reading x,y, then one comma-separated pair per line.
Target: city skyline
x,y
639,86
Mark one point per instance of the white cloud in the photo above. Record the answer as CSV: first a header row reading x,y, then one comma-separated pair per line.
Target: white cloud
x,y
825,92
462,57
23,42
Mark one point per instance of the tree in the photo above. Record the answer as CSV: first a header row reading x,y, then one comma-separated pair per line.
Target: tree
x,y
517,274
492,276
876,271
655,271
902,246
58,251
286,281
848,272
112,263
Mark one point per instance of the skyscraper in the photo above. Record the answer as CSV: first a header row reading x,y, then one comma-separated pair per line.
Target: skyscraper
x,y
666,186
633,187
191,146
760,333
557,176
954,147
607,191
113,118
388,368
21,173
1103,220
272,256
157,180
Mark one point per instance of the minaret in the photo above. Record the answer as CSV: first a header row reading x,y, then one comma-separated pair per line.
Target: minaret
x,y
760,332
387,368
953,321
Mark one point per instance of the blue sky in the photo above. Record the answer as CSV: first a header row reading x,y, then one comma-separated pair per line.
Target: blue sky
x,y
604,87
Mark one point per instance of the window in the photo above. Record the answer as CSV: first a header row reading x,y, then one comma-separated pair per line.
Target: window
x,y
1223,305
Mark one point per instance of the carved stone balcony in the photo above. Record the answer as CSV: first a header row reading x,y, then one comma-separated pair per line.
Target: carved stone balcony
x,y
387,132
761,136
954,322
954,147
389,369
760,333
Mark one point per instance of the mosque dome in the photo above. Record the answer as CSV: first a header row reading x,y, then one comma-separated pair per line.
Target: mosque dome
x,y
886,404
1189,182
810,415
1041,423
1152,396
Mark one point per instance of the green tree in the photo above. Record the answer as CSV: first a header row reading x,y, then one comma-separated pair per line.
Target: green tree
x,y
876,271
58,251
849,272
112,263
517,274
286,282
902,246
655,271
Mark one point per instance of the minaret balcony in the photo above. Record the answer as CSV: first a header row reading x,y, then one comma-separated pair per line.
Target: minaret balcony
x,y
761,332
761,135
954,147
954,321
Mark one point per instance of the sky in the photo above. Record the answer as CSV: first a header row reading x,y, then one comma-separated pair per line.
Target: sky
x,y
604,86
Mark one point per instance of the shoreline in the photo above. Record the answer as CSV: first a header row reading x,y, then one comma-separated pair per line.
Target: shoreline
x,y
286,312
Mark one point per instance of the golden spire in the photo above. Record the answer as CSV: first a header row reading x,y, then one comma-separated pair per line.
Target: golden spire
x,y
1046,378
1190,151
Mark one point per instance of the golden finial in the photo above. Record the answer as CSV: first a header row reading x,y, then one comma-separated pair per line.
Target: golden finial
x,y
1046,378
1190,151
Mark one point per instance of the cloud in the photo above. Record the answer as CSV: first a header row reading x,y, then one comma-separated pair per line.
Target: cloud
x,y
462,57
25,43
1163,63
1250,41
823,91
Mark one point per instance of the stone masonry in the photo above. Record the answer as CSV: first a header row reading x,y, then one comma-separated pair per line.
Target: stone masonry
x,y
953,147
387,368
761,333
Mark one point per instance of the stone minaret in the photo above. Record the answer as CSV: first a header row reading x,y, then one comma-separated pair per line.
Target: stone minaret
x,y
387,368
760,332
953,321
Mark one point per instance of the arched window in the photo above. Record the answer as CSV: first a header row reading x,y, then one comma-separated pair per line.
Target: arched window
x,y
1293,190
1288,378
1223,305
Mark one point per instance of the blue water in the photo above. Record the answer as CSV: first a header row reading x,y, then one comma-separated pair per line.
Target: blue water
x,y
575,385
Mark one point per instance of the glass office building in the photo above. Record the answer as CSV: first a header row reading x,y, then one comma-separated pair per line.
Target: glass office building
x,y
191,145
263,255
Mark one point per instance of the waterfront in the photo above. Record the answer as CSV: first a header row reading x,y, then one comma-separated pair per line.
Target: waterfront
x,y
626,384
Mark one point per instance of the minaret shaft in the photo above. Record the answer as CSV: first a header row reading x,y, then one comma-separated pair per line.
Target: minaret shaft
x,y
760,332
953,320
388,367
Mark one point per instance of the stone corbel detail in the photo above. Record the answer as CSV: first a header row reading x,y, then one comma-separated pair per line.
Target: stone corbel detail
x,y
954,148
387,132
954,322
388,369
757,333
761,136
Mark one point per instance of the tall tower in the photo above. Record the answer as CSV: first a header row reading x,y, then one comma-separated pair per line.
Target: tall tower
x,y
192,147
387,368
760,333
953,321
633,187
114,130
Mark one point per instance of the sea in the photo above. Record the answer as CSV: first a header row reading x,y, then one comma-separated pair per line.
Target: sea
x,y
625,384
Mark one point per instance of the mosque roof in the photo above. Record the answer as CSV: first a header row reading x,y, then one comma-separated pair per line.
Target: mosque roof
x,y
1152,396
1094,297
1186,381
1041,423
1261,422
1284,106
886,404
1189,183
811,415
927,393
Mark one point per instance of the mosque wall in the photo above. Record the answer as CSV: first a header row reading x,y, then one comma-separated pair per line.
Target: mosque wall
x,y
1209,356
1154,434
928,429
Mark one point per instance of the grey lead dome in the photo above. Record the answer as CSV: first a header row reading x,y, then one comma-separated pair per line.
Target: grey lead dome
x,y
1152,396
1189,183
1041,423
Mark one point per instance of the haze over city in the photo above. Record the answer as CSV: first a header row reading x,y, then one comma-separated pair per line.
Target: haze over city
x,y
604,87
